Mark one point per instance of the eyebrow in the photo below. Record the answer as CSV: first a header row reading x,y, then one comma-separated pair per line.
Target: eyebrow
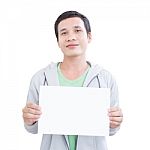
x,y
77,27
64,29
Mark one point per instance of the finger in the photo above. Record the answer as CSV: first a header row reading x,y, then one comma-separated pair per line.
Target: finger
x,y
33,106
30,121
115,114
112,109
116,119
32,111
114,124
30,116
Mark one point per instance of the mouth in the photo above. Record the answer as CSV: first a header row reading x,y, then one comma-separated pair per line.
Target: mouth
x,y
72,45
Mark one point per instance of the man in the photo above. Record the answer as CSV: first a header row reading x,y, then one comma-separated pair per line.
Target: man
x,y
73,35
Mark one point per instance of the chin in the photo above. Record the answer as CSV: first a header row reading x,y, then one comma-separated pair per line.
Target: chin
x,y
75,55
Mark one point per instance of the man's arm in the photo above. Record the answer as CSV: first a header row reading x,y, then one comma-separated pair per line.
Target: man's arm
x,y
32,111
115,113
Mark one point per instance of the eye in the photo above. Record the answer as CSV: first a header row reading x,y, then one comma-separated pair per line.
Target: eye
x,y
63,33
78,30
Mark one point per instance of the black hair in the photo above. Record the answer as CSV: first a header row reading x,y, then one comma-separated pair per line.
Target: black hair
x,y
71,14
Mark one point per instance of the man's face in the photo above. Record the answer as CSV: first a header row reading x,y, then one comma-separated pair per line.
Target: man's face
x,y
72,37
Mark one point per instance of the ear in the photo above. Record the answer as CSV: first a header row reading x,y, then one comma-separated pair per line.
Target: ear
x,y
89,37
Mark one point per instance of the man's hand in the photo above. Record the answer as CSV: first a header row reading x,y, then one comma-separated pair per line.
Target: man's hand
x,y
31,113
115,117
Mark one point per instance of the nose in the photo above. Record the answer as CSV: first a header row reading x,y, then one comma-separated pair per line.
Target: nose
x,y
71,37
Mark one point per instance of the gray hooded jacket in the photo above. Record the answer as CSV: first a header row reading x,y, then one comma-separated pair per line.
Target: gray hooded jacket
x,y
96,77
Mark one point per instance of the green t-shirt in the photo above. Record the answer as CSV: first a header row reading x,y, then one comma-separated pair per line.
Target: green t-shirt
x,y
63,81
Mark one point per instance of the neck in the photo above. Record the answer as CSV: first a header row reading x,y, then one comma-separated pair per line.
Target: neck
x,y
74,63
72,68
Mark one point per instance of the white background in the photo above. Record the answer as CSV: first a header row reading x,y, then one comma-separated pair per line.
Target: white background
x,y
121,44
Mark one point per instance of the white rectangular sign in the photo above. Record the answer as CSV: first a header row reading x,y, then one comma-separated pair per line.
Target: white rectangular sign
x,y
74,110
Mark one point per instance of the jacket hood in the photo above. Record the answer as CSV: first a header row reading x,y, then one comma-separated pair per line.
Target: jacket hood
x,y
93,72
51,69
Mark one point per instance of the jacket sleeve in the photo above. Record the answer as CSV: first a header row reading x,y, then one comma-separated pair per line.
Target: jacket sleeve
x,y
109,82
33,96
114,99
